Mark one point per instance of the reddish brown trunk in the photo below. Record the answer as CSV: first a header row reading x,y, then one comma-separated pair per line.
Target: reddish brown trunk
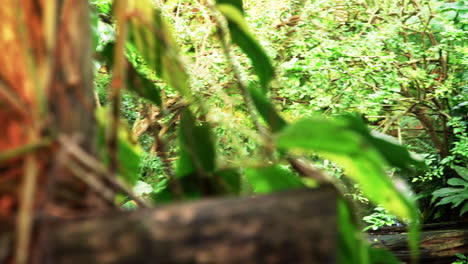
x,y
45,93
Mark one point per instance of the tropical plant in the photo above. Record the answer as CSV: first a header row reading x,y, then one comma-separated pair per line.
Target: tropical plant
x,y
149,53
378,219
457,194
461,259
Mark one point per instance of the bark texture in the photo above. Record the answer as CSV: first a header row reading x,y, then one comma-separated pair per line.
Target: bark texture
x,y
439,242
291,227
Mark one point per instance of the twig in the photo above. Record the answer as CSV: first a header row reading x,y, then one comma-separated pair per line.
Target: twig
x,y
221,32
26,148
91,180
101,171
302,166
397,117
118,81
161,152
25,214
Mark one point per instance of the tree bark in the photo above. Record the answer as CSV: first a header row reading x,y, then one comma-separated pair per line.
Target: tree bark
x,y
439,242
46,92
291,227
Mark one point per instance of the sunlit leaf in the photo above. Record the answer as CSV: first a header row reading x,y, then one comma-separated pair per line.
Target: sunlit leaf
x,y
153,39
136,81
395,154
130,205
236,3
319,134
272,178
335,141
129,152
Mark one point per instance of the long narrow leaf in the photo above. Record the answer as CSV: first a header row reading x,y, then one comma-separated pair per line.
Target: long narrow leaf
x,y
197,151
267,110
152,38
241,36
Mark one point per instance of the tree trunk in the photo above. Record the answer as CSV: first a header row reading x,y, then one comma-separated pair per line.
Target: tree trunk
x,y
46,92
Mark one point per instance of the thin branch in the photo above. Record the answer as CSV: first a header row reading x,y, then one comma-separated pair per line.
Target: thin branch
x,y
118,81
91,180
72,148
397,117
24,149
25,213
230,57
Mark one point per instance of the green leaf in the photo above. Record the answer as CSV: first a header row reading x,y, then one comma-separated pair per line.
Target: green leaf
x,y
336,141
129,152
445,192
136,81
196,147
272,178
141,85
449,199
231,180
130,205
457,182
367,168
352,246
152,38
241,36
267,110
463,172
395,154
464,208
129,155
460,199
165,195
321,135
236,3
457,6
184,165
94,20
106,55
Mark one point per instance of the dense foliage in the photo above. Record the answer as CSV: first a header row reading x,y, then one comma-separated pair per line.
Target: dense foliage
x,y
229,97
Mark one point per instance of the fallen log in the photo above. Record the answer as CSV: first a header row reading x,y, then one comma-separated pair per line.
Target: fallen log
x,y
290,227
439,242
